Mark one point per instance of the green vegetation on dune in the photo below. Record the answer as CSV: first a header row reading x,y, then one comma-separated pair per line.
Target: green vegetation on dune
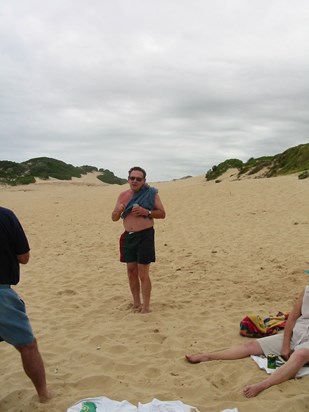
x,y
45,167
108,177
12,173
293,160
221,168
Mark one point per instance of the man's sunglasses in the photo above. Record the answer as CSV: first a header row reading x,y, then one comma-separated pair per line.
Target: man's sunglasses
x,y
138,179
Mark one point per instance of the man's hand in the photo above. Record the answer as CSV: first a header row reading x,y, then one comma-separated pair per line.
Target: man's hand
x,y
119,208
286,352
139,211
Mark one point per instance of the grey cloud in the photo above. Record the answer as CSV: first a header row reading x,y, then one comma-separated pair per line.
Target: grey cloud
x,y
119,83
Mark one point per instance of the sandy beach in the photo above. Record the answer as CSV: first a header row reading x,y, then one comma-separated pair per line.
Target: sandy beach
x,y
224,250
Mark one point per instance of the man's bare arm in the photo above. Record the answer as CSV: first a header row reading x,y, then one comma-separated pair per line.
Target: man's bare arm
x,y
159,211
119,208
290,323
24,258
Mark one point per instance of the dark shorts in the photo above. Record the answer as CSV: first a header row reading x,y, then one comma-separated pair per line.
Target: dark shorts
x,y
138,247
15,327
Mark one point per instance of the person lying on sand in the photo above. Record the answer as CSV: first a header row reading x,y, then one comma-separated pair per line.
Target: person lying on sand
x,y
292,345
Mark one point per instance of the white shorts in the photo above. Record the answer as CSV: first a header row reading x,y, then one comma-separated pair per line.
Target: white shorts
x,y
273,344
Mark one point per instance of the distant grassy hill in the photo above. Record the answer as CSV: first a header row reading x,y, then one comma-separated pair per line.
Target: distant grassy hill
x,y
12,173
293,160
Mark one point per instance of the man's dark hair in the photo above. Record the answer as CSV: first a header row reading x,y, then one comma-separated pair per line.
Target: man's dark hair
x,y
139,169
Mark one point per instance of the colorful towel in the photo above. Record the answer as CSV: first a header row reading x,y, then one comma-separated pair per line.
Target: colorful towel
x,y
253,326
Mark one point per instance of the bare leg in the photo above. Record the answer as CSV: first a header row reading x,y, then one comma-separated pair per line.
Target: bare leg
x,y
143,273
282,374
134,284
34,368
238,352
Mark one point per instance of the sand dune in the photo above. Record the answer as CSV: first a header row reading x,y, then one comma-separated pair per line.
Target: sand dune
x,y
223,251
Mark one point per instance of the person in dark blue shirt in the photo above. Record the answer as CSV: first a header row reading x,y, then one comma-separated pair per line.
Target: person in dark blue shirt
x,y
15,327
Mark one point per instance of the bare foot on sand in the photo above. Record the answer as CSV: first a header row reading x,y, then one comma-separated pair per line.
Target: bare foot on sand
x,y
252,390
136,309
197,358
145,310
136,305
46,395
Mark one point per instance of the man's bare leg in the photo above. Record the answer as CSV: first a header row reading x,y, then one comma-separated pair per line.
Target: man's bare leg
x,y
282,374
34,368
238,352
134,284
143,273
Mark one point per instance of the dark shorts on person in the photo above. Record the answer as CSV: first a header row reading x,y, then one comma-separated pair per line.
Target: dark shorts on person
x,y
138,247
15,327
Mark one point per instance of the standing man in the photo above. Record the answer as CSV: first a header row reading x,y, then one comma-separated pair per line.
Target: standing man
x,y
15,327
138,206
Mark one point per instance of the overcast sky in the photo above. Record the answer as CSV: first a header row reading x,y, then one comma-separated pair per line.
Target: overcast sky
x,y
175,86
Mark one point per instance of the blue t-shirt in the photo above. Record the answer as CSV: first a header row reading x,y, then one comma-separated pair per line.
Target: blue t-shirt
x,y
13,242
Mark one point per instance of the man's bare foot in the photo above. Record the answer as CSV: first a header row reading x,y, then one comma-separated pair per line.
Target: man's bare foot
x,y
136,305
145,310
252,390
45,396
197,358
136,308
